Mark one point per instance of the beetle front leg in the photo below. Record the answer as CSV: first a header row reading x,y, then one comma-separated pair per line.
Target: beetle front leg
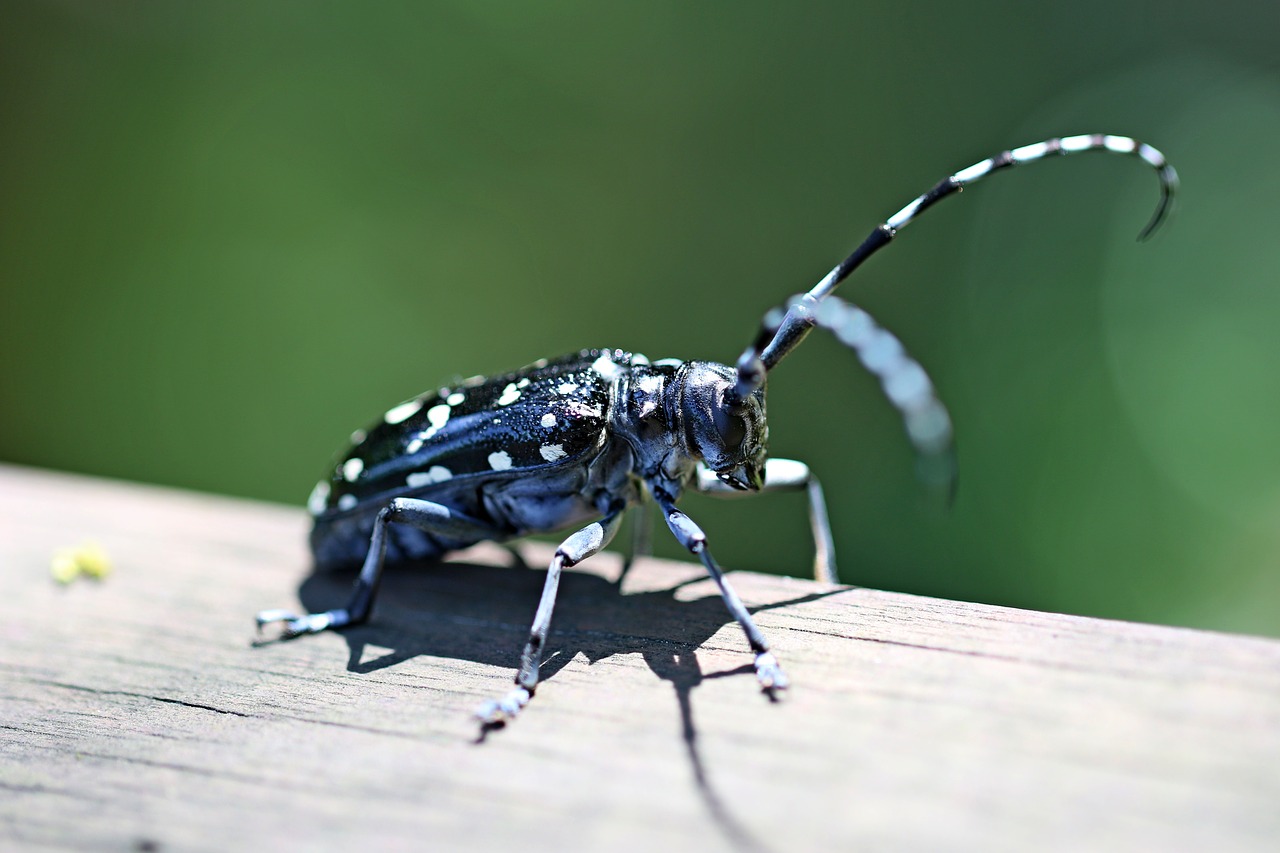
x,y
426,515
690,535
788,475
578,547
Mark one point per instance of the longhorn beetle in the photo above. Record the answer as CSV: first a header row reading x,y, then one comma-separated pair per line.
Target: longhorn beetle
x,y
572,442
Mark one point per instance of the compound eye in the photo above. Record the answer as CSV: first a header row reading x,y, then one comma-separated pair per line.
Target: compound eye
x,y
732,429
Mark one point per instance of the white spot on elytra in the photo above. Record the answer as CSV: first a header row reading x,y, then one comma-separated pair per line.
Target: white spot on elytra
x,y
319,495
456,398
351,469
605,366
500,460
523,383
548,420
438,416
434,474
567,387
509,395
346,501
552,452
414,446
650,384
402,412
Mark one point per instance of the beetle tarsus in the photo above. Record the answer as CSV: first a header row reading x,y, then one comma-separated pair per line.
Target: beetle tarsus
x,y
769,673
292,625
498,712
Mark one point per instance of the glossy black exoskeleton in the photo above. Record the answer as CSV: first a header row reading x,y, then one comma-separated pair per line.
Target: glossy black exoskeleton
x,y
574,442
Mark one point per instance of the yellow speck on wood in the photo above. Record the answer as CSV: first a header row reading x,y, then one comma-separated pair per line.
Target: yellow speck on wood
x,y
87,559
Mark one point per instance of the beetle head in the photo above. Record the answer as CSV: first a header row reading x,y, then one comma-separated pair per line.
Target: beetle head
x,y
730,436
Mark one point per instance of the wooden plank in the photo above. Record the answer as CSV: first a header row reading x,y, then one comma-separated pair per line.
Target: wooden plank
x,y
135,712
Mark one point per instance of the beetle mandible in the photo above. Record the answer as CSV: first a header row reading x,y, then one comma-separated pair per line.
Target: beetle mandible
x,y
575,441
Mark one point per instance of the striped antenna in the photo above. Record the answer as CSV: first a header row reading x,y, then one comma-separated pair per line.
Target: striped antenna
x,y
904,382
793,329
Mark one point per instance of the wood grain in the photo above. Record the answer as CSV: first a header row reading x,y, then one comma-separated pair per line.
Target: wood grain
x,y
135,713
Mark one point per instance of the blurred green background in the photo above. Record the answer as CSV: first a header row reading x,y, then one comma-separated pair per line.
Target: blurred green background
x,y
232,232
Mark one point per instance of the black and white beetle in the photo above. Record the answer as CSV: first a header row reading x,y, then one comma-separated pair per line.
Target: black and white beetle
x,y
577,440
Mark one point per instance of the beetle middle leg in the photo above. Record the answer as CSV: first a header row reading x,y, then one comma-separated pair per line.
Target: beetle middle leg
x,y
428,516
690,535
578,547
788,475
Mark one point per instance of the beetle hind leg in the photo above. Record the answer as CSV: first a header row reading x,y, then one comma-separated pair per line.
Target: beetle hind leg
x,y
428,516
578,547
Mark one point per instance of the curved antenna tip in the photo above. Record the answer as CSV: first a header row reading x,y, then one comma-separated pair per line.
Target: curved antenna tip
x,y
1168,186
938,473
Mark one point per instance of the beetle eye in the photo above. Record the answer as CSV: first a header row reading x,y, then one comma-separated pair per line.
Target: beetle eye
x,y
732,429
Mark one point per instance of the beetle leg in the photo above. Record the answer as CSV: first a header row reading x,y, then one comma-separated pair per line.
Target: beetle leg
x,y
578,547
426,515
690,535
788,475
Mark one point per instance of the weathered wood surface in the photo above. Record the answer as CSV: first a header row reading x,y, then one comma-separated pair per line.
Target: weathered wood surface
x,y
134,713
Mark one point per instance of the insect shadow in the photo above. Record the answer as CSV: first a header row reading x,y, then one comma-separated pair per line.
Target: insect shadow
x,y
481,613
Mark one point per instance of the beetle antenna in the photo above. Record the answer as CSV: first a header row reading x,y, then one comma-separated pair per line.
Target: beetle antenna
x,y
794,328
903,380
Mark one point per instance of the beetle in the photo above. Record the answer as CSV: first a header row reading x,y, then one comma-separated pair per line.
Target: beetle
x,y
573,442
